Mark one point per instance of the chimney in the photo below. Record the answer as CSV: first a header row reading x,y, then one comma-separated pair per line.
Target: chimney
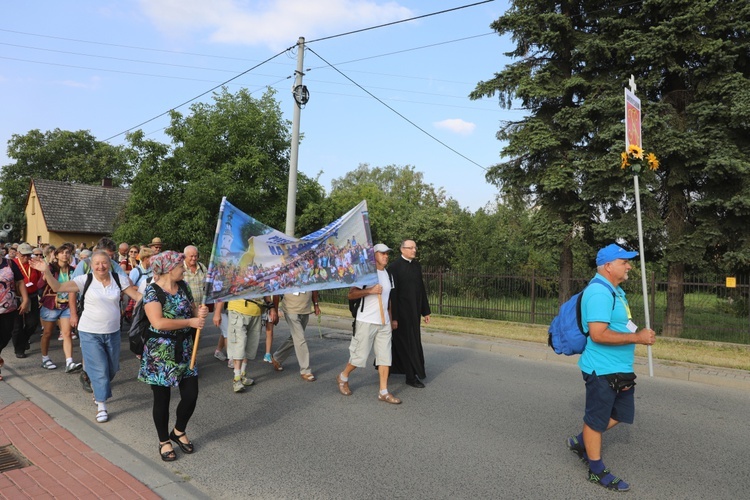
x,y
107,182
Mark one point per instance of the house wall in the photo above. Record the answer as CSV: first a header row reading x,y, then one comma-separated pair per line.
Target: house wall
x,y
36,227
37,231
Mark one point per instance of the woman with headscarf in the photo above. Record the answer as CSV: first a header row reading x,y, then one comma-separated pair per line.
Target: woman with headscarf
x,y
99,323
167,351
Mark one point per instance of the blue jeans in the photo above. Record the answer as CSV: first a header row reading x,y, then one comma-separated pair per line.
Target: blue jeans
x,y
101,360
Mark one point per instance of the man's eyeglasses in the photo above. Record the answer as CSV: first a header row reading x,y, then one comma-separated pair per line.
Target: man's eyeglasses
x,y
410,248
36,254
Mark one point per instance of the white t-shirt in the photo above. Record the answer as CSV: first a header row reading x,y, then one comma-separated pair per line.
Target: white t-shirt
x,y
371,313
101,311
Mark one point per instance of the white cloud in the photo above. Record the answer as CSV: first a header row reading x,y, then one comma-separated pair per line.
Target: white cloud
x,y
456,125
92,84
274,23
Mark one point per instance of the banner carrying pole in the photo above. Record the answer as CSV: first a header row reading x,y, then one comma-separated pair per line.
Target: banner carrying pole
x,y
206,284
382,313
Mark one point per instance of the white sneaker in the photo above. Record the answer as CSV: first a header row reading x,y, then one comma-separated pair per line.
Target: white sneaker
x,y
220,355
73,367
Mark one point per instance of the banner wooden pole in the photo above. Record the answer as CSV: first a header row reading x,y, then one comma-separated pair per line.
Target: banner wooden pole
x,y
382,314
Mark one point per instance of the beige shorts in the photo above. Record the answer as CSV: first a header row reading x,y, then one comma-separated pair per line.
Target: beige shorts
x,y
243,335
368,336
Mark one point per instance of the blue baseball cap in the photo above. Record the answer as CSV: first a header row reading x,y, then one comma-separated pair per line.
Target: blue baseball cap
x,y
613,252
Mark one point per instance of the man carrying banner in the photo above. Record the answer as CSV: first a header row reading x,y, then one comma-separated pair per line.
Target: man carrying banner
x,y
243,335
372,328
296,308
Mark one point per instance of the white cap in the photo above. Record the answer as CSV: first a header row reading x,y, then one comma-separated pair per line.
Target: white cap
x,y
381,248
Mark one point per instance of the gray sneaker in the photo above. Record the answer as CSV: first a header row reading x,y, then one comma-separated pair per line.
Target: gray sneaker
x,y
237,385
85,382
73,367
246,380
220,355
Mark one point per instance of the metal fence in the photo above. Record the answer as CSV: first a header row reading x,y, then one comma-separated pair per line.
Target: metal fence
x,y
713,311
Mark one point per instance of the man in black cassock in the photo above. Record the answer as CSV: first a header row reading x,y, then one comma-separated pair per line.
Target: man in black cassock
x,y
411,295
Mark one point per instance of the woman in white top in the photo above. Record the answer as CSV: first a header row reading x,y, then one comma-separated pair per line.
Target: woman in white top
x,y
99,325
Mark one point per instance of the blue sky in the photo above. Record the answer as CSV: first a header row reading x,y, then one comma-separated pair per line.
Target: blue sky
x,y
107,66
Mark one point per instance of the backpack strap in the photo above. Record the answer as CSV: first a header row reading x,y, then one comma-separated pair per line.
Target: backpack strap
x,y
116,277
605,284
89,279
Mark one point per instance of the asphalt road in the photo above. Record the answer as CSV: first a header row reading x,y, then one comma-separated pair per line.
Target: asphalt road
x,y
487,425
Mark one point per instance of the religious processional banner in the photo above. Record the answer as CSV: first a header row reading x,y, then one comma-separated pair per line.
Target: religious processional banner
x,y
251,260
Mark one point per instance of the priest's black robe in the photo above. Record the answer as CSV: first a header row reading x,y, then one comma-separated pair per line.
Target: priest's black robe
x,y
411,297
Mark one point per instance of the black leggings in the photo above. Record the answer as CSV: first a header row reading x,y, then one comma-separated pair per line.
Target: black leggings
x,y
188,398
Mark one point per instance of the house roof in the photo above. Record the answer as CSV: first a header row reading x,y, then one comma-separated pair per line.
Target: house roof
x,y
79,208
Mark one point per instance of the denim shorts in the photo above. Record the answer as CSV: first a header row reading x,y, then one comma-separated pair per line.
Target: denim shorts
x,y
53,314
603,403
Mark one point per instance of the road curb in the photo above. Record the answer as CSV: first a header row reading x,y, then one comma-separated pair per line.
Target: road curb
x,y
721,377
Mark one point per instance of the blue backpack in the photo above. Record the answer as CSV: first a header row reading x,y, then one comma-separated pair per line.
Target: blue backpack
x,y
566,332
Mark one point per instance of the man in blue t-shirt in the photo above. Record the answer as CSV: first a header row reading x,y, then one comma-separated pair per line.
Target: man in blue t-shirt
x,y
609,354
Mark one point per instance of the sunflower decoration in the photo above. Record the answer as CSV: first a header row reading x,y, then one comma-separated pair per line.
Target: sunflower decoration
x,y
634,159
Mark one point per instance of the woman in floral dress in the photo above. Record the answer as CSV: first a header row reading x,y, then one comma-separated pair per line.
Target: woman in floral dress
x,y
165,363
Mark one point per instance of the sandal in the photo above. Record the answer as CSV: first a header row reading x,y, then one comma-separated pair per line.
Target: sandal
x,y
308,377
389,398
609,481
577,447
167,456
185,447
48,364
276,365
102,416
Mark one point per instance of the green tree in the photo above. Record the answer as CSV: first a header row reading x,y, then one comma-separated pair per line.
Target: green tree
x,y
401,206
691,64
58,155
558,159
237,147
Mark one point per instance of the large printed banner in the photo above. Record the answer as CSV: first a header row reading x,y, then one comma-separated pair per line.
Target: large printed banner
x,y
250,260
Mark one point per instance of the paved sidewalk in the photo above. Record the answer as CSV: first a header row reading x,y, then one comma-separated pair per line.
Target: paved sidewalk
x,y
60,465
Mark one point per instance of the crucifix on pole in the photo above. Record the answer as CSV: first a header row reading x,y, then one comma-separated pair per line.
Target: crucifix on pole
x,y
633,138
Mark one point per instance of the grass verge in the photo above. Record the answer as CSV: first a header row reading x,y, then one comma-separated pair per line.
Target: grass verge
x,y
736,356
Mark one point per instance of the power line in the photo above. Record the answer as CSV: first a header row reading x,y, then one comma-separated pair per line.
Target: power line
x,y
396,112
159,63
399,22
94,42
196,97
412,49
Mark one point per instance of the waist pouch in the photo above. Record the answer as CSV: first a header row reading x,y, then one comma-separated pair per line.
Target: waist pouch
x,y
621,381
178,339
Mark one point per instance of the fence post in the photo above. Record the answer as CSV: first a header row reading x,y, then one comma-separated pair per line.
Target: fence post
x,y
440,291
533,296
